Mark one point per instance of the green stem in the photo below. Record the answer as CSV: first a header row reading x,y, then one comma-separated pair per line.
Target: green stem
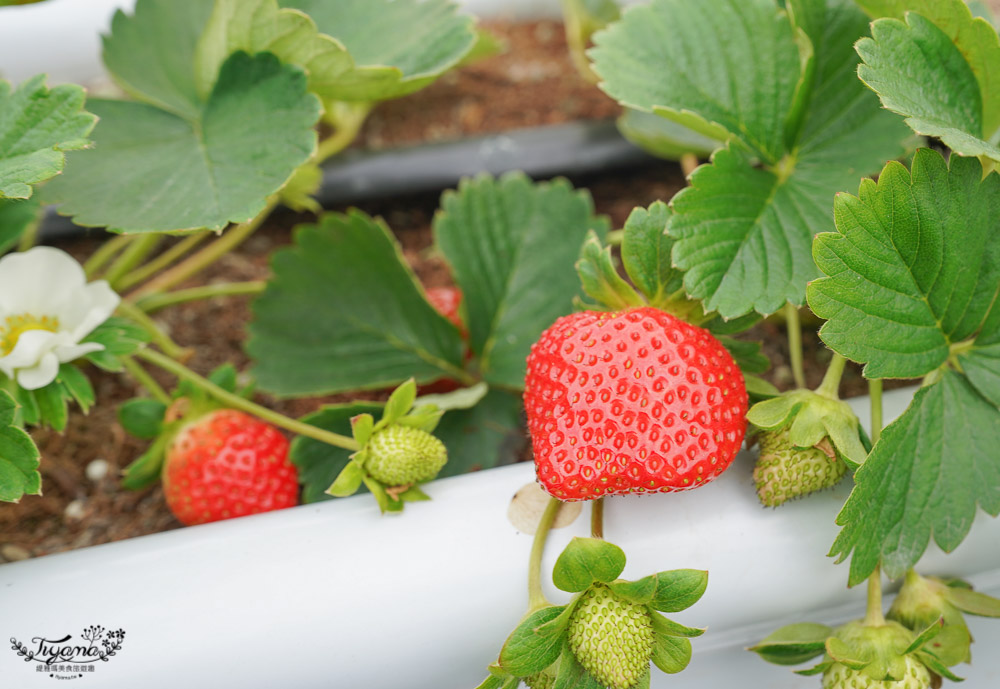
x,y
29,236
167,258
160,338
873,614
194,264
106,252
830,387
142,377
348,123
597,518
155,302
536,599
689,163
236,402
615,237
794,326
134,254
875,394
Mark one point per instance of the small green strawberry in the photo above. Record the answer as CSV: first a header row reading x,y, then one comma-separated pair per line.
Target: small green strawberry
x,y
839,676
611,637
784,471
396,454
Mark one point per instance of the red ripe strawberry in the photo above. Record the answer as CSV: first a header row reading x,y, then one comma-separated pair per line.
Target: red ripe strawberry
x,y
634,401
228,464
448,301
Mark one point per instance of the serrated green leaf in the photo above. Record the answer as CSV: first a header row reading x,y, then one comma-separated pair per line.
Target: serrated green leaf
x,y
924,477
249,137
726,68
511,246
318,463
36,126
600,279
678,589
348,481
15,217
974,602
18,456
142,417
120,337
662,137
747,355
585,561
646,248
981,362
145,470
76,386
536,643
938,69
398,46
670,653
343,311
794,643
912,267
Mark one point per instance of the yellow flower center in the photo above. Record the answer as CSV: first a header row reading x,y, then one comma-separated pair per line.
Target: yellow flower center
x,y
14,326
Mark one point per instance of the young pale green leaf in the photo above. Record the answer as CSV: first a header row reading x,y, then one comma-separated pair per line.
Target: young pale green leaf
x,y
600,277
586,560
646,250
343,311
253,132
794,643
913,268
536,643
924,477
120,337
664,626
726,68
974,602
16,216
511,245
142,417
671,653
318,463
348,481
937,68
36,126
662,137
398,46
145,470
678,589
18,456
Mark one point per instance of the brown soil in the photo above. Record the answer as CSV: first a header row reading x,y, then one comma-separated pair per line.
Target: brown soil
x,y
534,83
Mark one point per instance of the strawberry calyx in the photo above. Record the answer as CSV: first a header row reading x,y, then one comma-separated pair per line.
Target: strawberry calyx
x,y
397,453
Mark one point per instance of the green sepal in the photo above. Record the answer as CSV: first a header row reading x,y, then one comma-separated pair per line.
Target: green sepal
x,y
759,389
225,377
142,417
400,401
51,401
646,250
670,653
747,355
414,494
349,480
571,674
842,653
536,643
424,418
678,589
926,635
145,470
27,407
120,337
815,669
600,277
362,426
974,602
936,666
495,682
385,503
667,627
586,560
640,591
793,643
463,398
78,386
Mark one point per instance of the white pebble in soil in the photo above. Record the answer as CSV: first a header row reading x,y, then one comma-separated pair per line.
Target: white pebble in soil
x,y
74,511
97,470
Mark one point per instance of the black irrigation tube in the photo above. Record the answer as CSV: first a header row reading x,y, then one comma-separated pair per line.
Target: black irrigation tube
x,y
572,149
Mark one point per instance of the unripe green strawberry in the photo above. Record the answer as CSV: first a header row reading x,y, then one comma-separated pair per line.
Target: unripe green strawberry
x,y
402,455
839,676
784,471
611,637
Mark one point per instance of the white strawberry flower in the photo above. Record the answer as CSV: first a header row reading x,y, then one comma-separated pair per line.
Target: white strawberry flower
x,y
46,308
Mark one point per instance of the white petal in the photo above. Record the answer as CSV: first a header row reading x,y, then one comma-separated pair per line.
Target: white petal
x,y
75,351
31,346
32,279
40,375
101,302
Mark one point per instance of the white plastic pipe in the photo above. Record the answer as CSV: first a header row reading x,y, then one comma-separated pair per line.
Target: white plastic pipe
x,y
335,595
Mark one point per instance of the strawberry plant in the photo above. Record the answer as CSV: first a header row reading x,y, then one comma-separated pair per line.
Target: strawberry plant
x,y
851,175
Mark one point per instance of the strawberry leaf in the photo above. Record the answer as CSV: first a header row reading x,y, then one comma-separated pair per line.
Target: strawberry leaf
x,y
343,311
15,217
600,279
219,167
938,69
511,245
924,478
585,561
536,643
142,417
18,456
646,248
912,268
397,46
794,643
36,126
